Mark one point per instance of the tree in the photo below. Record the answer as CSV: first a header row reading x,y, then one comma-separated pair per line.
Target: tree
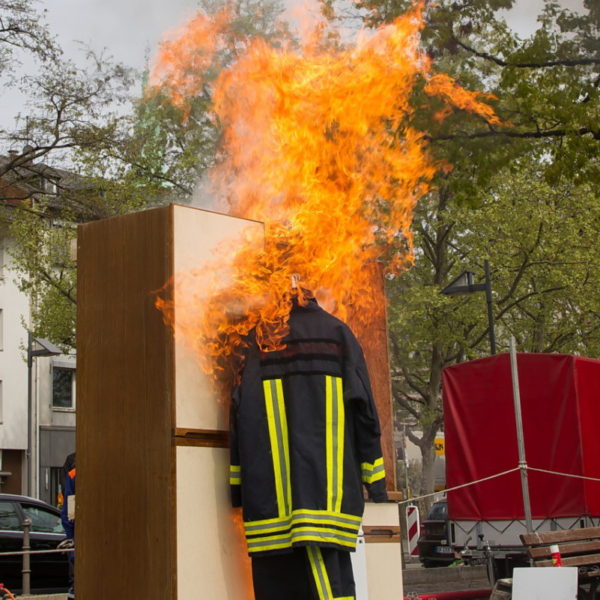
x,y
541,241
118,160
546,90
547,86
21,29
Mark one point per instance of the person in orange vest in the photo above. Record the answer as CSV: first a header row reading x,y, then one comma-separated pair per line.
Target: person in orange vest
x,y
67,515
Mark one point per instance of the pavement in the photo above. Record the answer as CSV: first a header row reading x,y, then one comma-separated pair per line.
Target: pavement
x,y
44,597
444,579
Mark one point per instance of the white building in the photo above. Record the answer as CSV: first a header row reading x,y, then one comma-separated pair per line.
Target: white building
x,y
52,397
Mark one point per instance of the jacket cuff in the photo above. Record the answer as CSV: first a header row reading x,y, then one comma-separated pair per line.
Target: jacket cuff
x,y
377,491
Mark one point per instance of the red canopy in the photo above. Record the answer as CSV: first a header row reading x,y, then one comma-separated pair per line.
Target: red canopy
x,y
560,404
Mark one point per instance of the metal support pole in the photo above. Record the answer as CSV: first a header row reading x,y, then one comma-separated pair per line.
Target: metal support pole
x,y
490,309
26,571
407,488
520,438
28,486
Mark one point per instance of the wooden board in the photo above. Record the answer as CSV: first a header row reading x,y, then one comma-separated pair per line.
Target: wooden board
x,y
374,341
207,569
202,238
125,519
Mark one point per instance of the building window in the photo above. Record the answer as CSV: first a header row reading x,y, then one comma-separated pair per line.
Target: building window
x,y
62,387
1,420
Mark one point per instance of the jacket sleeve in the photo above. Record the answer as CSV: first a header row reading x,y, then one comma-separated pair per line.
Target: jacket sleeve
x,y
68,525
366,427
235,469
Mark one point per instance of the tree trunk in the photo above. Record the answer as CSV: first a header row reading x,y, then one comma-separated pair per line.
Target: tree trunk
x,y
428,472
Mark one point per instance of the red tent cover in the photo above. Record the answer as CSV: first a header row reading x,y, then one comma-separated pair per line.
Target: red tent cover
x,y
560,405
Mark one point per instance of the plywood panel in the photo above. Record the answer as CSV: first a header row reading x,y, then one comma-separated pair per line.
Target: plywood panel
x,y
202,240
125,481
371,331
212,555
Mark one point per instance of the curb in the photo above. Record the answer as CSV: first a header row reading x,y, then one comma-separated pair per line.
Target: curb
x,y
43,597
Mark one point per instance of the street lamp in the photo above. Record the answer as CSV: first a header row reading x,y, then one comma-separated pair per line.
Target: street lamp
x,y
35,347
463,284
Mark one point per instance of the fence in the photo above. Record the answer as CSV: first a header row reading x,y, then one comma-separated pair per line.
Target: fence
x,y
27,552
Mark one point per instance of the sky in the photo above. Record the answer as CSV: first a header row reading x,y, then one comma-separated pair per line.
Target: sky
x,y
130,30
130,27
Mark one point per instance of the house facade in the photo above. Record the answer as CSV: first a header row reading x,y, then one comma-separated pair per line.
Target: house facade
x,y
37,405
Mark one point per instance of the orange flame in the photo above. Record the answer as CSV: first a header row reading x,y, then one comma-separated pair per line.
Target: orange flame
x,y
319,146
187,53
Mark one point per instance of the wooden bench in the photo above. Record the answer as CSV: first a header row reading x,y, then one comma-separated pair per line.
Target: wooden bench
x,y
578,548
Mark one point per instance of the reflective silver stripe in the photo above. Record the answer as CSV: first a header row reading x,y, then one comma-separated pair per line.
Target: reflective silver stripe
x,y
319,572
336,520
300,534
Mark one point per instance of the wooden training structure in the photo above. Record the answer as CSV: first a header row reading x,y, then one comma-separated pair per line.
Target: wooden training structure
x,y
153,515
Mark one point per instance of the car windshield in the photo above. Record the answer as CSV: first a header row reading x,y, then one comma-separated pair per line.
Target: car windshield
x,y
438,512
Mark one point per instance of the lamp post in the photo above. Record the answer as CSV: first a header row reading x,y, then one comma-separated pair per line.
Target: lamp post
x,y
463,284
35,347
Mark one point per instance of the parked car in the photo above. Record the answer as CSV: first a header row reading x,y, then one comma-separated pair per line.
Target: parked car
x,y
49,572
434,549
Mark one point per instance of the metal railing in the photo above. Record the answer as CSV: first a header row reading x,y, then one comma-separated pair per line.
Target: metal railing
x,y
26,554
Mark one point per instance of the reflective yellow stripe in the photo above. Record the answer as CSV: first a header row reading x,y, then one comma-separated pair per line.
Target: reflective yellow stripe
x,y
372,472
340,444
317,533
278,436
333,514
257,527
235,475
261,545
319,573
329,440
370,466
286,447
334,441
317,518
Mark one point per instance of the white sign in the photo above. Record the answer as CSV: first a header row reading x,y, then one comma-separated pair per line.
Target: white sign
x,y
544,583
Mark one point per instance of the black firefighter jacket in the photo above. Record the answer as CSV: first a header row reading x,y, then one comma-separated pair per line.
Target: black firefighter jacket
x,y
305,438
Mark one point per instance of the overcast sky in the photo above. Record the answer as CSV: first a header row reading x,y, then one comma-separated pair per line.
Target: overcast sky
x,y
131,29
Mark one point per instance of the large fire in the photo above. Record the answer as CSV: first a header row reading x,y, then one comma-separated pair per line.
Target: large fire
x,y
318,145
